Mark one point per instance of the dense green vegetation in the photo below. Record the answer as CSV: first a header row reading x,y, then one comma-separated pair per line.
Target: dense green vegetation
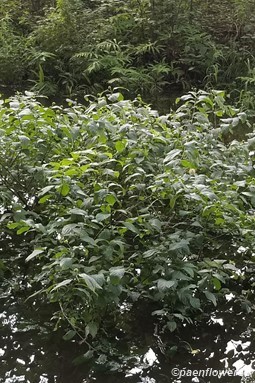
x,y
147,47
118,208
110,209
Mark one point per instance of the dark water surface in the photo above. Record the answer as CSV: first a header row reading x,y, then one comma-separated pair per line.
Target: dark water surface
x,y
31,352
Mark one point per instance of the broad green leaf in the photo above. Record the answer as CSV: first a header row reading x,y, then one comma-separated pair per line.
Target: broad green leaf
x,y
117,272
110,198
220,277
219,221
61,284
165,285
173,201
102,217
25,112
86,238
25,141
92,329
68,229
90,282
188,164
13,225
66,263
217,284
99,278
171,155
171,325
78,211
23,230
230,266
211,297
34,254
14,104
156,223
44,198
71,172
120,146
69,335
64,189
195,302
182,244
240,183
189,270
131,227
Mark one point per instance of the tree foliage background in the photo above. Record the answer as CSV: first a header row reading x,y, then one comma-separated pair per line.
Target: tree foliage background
x,y
145,46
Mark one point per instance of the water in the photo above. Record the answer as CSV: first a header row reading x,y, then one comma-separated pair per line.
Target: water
x,y
31,352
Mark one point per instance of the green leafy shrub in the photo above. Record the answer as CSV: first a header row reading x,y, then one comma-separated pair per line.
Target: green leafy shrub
x,y
118,206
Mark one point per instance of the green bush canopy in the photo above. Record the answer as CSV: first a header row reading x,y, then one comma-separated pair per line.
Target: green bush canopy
x,y
116,206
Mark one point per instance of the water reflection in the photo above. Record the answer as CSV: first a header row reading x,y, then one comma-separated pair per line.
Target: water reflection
x,y
28,352
31,353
